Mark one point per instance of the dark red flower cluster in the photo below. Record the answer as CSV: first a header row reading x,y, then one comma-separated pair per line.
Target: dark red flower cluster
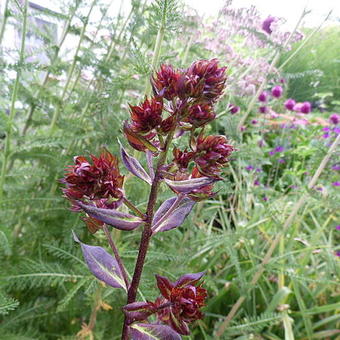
x,y
182,301
191,92
98,181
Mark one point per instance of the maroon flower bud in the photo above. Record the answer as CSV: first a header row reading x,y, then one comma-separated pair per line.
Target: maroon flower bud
x,y
203,79
212,153
147,116
200,114
96,181
167,125
181,301
182,158
165,82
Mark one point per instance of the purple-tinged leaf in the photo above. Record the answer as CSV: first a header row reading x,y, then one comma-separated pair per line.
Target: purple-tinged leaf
x,y
189,185
172,213
178,325
149,331
139,311
102,265
114,218
188,279
133,165
149,160
164,285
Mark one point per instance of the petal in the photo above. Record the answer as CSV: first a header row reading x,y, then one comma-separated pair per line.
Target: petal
x,y
164,285
139,311
188,279
189,185
148,331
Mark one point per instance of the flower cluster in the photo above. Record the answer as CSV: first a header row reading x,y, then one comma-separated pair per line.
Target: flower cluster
x,y
180,303
96,181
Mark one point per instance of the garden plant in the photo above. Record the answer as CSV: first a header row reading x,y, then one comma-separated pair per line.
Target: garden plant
x,y
165,175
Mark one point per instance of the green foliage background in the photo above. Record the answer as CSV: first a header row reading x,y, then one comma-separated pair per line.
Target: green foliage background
x,y
46,290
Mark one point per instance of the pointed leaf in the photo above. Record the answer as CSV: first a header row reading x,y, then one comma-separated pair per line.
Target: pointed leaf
x,y
164,285
148,331
169,216
189,185
188,279
139,311
178,325
114,218
133,165
102,265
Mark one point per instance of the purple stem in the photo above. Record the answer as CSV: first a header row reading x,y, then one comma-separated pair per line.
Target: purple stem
x,y
147,233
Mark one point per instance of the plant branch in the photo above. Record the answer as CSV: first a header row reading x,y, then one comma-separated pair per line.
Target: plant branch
x,y
117,256
276,241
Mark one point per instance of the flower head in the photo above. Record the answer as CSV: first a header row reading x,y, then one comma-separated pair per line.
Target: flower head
x,y
263,97
263,109
200,114
277,91
289,104
146,116
204,79
165,82
98,179
306,107
212,153
266,24
334,119
181,301
234,109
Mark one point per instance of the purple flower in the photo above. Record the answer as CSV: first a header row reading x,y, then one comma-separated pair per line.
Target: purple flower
x,y
326,129
279,148
263,109
337,253
289,104
277,91
337,227
256,182
297,107
336,130
263,97
336,184
267,23
265,198
254,121
326,135
334,118
281,160
234,109
336,167
271,153
319,188
306,107
249,167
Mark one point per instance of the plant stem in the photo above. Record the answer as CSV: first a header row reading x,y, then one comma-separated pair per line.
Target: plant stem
x,y
4,21
7,146
71,70
147,232
117,256
276,241
131,206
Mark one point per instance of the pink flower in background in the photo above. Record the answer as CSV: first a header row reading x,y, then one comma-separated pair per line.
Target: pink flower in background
x,y
289,104
306,107
263,109
263,97
233,109
277,91
267,23
334,118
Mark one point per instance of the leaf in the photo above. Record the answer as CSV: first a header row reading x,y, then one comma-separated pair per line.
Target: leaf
x,y
146,331
139,311
133,165
188,279
189,185
114,218
102,265
168,216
